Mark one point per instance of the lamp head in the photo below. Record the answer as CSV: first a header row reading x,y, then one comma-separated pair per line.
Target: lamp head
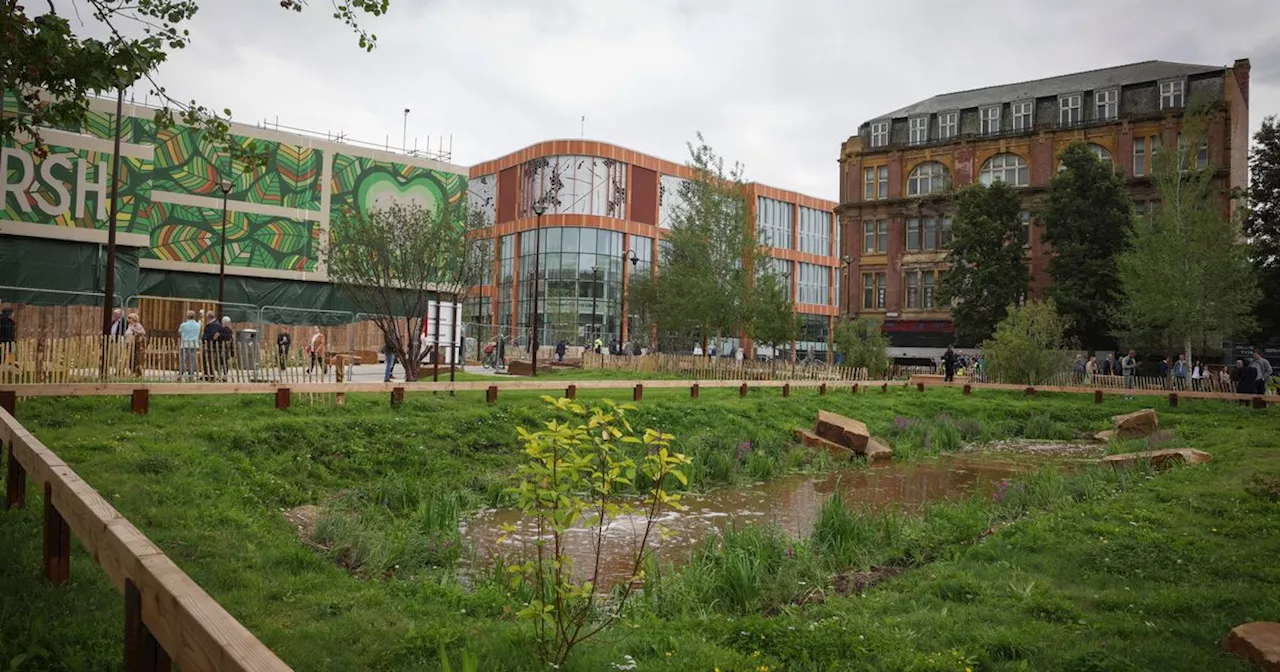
x,y
634,259
539,208
226,186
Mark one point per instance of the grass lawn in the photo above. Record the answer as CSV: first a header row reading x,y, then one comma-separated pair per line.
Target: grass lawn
x,y
1090,571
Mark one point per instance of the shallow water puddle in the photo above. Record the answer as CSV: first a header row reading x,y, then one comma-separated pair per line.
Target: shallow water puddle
x,y
791,503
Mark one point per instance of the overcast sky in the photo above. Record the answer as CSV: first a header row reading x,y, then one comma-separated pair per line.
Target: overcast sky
x,y
775,84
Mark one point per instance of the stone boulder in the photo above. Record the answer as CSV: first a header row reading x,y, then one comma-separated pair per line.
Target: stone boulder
x,y
1135,425
1258,643
1104,436
812,440
878,450
1159,459
843,431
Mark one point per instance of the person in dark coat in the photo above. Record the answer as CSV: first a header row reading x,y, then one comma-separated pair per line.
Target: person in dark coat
x,y
8,333
949,364
283,341
1246,378
561,346
212,330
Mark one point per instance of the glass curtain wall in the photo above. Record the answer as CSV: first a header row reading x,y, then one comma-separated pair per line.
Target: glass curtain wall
x,y
579,287
643,247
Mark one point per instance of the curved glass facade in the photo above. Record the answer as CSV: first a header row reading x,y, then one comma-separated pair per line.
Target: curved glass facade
x,y
580,286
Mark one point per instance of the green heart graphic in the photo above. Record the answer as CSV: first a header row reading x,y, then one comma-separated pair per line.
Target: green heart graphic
x,y
379,189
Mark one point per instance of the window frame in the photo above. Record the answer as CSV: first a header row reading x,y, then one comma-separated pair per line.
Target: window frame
x,y
1139,156
949,120
987,116
882,236
880,133
1065,105
1023,113
912,228
1202,154
911,289
868,233
882,182
1018,169
1108,101
1024,217
1178,96
918,130
937,173
873,290
869,184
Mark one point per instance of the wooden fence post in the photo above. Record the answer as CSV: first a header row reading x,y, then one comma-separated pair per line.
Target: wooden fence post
x,y
57,542
1031,391
1097,396
920,387
9,402
571,392
855,388
142,653
1173,399
884,387
15,490
1259,402
822,389
693,391
491,394
786,389
742,391
283,398
638,393
968,389
141,401
397,396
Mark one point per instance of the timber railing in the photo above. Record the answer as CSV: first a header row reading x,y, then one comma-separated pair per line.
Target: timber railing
x,y
700,367
168,618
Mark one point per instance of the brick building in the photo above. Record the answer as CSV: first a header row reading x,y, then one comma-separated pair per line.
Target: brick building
x,y
897,173
608,210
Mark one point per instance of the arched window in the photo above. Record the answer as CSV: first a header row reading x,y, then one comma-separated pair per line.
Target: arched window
x,y
1005,168
1098,151
927,178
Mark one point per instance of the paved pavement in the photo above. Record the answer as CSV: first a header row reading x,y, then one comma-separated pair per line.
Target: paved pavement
x,y
373,373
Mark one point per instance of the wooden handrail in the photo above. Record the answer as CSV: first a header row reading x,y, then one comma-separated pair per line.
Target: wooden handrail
x,y
166,612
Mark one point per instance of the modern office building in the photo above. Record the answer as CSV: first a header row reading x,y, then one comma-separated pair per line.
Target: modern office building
x,y
608,209
897,174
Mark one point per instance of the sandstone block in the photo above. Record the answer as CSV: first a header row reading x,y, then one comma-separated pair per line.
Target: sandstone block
x,y
1257,642
812,440
1159,459
1135,425
843,431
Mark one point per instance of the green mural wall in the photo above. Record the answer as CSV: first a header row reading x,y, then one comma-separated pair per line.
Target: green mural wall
x,y
70,186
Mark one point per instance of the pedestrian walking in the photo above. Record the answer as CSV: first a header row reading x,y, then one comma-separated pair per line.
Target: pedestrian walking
x,y
1130,367
188,347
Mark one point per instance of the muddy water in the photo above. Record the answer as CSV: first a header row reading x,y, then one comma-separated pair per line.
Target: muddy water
x,y
791,503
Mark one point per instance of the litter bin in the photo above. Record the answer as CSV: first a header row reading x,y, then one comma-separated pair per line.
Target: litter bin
x,y
247,356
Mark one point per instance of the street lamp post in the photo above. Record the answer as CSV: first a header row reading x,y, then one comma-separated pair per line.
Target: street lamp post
x,y
404,137
225,186
622,307
539,209
845,262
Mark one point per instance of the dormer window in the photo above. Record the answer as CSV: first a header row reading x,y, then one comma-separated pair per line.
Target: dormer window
x,y
1023,115
948,124
1106,104
918,128
989,120
879,133
1069,109
1172,93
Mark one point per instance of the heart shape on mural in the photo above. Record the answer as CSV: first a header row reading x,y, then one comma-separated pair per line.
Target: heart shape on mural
x,y
380,189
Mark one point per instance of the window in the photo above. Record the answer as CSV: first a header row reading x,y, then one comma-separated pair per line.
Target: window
x,y
869,237
1202,155
1025,218
989,120
883,177
920,287
928,281
774,222
1097,150
879,133
1140,208
1069,109
814,283
928,233
1022,116
868,184
1139,157
1171,93
927,178
918,128
913,289
948,124
873,291
1005,168
1106,104
815,231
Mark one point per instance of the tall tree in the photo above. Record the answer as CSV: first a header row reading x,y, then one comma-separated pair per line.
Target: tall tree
x,y
52,71
1262,226
394,261
1187,277
1088,220
864,345
704,285
773,321
988,272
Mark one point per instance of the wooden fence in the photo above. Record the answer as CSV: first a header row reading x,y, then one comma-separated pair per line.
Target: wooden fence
x,y
148,359
696,367
168,618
